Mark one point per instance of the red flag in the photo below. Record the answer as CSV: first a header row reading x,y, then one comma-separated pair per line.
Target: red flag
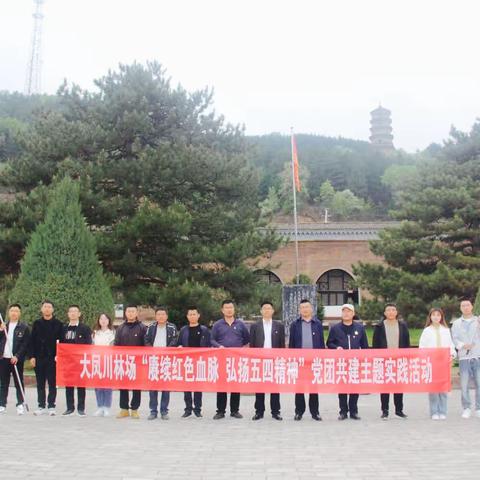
x,y
296,174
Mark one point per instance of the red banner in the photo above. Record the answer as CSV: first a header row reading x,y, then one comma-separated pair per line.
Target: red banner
x,y
254,370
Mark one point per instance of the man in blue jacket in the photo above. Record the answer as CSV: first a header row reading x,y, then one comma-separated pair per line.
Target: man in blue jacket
x,y
306,332
193,335
348,335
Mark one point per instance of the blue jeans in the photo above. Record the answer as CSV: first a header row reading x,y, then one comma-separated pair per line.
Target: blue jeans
x,y
163,402
104,397
438,403
470,369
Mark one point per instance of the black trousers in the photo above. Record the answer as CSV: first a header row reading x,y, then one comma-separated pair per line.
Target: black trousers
x,y
45,372
312,403
397,401
222,402
348,403
274,403
7,369
70,397
194,403
136,399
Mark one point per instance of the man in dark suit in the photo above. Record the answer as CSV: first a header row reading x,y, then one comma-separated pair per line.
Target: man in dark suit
x,y
267,333
306,332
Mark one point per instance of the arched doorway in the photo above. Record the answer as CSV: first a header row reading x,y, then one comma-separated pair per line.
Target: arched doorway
x,y
268,277
334,288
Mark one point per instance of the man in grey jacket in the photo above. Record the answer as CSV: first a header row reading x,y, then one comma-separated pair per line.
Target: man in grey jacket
x,y
466,337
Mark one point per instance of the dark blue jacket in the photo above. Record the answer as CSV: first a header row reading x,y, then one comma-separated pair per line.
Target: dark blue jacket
x,y
338,338
295,340
204,339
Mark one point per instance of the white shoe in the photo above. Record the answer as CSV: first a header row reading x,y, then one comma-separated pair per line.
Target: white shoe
x,y
477,413
99,412
51,412
3,409
20,410
435,417
106,412
40,411
443,417
467,413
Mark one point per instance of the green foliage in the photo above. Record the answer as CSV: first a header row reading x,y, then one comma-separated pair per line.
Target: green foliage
x,y
477,303
303,279
60,262
433,257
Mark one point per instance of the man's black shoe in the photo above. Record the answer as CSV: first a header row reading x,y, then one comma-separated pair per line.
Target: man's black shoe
x,y
277,416
68,412
354,416
236,415
297,417
317,417
257,416
219,416
186,414
198,414
384,416
342,416
401,415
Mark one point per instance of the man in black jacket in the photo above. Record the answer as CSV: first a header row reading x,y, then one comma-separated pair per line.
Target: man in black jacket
x,y
391,332
160,333
76,333
46,332
193,335
348,335
267,333
14,338
130,333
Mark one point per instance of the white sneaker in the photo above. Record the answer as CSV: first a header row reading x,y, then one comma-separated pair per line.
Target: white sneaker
x,y
3,409
40,411
477,413
467,413
435,417
443,417
20,410
99,412
51,412
106,412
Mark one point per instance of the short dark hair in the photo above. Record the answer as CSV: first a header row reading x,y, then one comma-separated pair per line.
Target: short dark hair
x,y
305,300
47,301
130,305
192,307
161,308
394,305
467,299
266,302
73,305
13,305
227,301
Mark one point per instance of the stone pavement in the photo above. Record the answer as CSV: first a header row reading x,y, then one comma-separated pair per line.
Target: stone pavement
x,y
106,448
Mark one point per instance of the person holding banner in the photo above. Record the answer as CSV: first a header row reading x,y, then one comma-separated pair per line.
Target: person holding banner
x,y
267,333
306,332
229,332
160,333
130,333
79,334
348,335
436,334
466,336
46,332
391,332
193,335
14,338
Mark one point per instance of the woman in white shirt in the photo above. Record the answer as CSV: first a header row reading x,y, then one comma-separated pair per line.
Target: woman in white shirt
x,y
437,335
103,335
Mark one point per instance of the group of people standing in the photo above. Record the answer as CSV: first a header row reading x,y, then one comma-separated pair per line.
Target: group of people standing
x,y
17,342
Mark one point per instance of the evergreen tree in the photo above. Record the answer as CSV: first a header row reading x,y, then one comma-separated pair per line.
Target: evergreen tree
x,y
60,262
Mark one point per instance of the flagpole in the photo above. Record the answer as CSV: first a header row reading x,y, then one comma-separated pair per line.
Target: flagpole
x,y
295,221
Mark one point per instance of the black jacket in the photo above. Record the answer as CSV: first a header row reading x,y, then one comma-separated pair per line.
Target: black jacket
x,y
338,338
171,335
130,334
295,339
83,335
43,340
380,337
257,334
21,339
183,337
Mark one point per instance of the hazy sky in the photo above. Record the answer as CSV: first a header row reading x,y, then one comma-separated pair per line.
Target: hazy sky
x,y
319,66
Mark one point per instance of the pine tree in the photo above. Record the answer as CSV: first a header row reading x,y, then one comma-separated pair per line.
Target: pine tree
x,y
60,262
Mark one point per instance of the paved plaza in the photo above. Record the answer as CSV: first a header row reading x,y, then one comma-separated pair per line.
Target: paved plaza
x,y
106,448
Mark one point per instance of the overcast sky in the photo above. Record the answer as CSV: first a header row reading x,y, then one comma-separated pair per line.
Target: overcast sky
x,y
317,65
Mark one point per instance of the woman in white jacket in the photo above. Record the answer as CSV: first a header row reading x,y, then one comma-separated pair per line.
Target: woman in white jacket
x,y
103,335
437,335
